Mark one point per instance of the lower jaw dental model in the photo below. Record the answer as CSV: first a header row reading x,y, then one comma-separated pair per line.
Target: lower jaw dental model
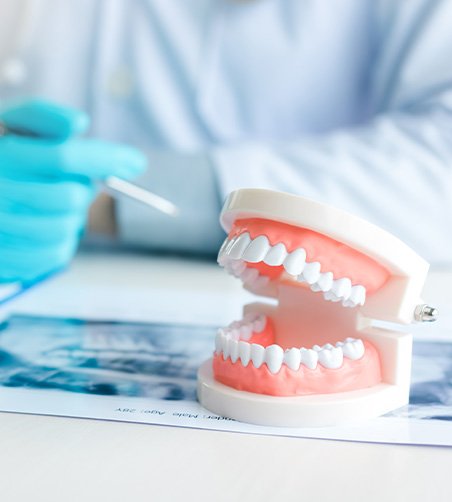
x,y
314,358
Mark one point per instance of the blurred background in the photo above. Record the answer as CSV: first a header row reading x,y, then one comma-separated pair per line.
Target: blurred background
x,y
348,102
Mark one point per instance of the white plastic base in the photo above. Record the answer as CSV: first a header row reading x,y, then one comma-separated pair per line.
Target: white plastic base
x,y
302,411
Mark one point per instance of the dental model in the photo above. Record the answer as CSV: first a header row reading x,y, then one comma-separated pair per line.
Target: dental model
x,y
313,358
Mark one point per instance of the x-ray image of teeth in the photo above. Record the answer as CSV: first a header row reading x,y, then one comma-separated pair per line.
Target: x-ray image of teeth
x,y
160,361
106,358
431,383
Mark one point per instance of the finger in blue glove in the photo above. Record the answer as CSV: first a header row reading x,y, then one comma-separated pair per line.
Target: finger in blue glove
x,y
47,185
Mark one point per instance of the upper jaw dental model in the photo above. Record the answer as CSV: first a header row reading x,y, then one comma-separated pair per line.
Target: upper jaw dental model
x,y
314,358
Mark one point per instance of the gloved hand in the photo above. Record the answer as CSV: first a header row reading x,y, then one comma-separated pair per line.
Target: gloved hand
x,y
47,185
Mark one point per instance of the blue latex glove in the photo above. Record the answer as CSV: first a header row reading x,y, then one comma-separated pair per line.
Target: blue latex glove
x,y
47,185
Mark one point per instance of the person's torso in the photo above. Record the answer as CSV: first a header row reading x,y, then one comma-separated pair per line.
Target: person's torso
x,y
177,74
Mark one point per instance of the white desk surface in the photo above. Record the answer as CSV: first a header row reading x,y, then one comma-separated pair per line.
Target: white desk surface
x,y
60,459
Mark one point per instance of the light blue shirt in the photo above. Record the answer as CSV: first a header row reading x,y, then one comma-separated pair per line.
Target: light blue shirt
x,y
344,101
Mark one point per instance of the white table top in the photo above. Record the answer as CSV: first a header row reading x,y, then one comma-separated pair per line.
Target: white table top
x,y
50,458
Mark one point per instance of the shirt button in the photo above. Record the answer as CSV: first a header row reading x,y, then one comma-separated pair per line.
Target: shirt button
x,y
13,72
120,84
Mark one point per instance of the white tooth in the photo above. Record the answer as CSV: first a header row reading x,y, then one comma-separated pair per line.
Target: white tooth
x,y
249,275
244,352
237,267
328,346
292,358
234,334
330,296
353,349
276,255
261,282
295,262
250,317
245,331
361,295
233,350
236,250
274,355
227,248
339,344
222,250
259,324
357,295
223,246
257,354
311,272
342,288
239,272
309,358
350,339
257,249
227,266
331,358
324,282
225,345
218,341
317,348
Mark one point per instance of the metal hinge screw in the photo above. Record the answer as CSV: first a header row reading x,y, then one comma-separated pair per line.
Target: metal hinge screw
x,y
425,313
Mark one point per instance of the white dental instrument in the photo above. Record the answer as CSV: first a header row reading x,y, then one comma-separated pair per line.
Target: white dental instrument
x,y
112,183
115,184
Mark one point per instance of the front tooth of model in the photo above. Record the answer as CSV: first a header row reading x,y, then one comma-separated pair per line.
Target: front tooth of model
x,y
324,282
353,349
295,262
225,346
224,262
292,358
218,341
309,358
257,354
234,334
331,358
276,255
221,253
311,272
249,275
233,350
244,352
259,324
237,267
246,331
257,249
274,355
238,273
250,317
342,287
236,251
